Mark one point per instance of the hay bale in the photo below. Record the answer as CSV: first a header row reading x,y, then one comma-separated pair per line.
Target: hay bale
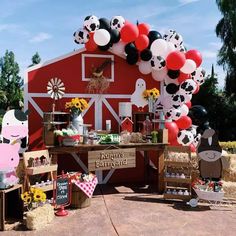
x,y
230,174
39,217
229,189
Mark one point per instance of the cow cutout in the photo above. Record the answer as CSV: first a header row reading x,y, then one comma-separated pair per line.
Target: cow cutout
x,y
15,127
211,161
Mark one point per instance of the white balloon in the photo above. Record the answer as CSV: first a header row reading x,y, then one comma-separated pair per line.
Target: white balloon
x,y
167,102
168,80
159,75
102,37
158,47
189,66
170,48
119,48
184,110
145,67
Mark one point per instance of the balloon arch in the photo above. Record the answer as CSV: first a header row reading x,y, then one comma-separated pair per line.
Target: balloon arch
x,y
164,56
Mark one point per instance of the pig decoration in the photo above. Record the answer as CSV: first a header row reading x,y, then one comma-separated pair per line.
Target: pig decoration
x,y
9,160
15,127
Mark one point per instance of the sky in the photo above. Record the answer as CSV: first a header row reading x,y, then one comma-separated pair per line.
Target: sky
x,y
47,26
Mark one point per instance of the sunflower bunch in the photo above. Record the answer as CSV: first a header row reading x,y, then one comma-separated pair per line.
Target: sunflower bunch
x,y
34,195
76,105
151,93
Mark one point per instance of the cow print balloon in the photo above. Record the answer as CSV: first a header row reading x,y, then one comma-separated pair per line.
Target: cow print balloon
x,y
91,23
173,114
198,75
196,140
117,22
173,37
185,137
81,36
158,62
177,100
188,86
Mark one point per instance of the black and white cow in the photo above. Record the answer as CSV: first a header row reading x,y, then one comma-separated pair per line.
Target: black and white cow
x,y
15,127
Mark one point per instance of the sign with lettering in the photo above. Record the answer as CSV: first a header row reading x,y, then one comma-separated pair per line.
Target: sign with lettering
x,y
111,159
62,197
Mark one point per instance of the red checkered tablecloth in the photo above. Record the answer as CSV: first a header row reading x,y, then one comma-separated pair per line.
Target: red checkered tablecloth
x,y
87,187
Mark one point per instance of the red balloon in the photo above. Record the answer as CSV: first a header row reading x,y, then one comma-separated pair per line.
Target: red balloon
x,y
91,45
184,122
175,60
182,77
192,148
173,131
197,89
188,104
194,55
129,33
143,28
142,42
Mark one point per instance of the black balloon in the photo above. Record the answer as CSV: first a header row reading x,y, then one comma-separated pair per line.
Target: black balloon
x,y
173,74
198,114
130,48
132,58
146,54
172,88
105,47
104,24
115,36
153,35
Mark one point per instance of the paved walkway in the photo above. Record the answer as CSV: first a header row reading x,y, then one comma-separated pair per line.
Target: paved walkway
x,y
128,211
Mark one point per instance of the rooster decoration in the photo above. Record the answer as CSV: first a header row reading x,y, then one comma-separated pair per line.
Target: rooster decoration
x,y
98,82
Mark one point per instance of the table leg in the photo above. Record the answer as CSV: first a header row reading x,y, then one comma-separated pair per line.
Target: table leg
x,y
146,167
161,167
2,209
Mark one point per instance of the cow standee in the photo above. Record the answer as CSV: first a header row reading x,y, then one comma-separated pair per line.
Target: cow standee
x,y
211,161
15,127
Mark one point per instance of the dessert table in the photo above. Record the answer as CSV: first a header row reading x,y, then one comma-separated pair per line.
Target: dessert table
x,y
76,150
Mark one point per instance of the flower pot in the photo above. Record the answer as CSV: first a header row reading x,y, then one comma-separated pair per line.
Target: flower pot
x,y
77,122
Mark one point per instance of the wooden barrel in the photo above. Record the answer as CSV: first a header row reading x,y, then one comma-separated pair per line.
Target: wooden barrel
x,y
79,199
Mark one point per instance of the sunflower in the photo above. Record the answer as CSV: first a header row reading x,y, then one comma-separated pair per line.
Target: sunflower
x,y
38,196
24,196
78,105
43,197
68,105
28,199
84,103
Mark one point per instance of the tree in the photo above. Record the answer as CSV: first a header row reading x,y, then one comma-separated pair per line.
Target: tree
x,y
10,82
226,30
35,59
221,112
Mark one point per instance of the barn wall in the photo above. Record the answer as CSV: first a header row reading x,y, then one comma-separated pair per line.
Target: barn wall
x,y
69,70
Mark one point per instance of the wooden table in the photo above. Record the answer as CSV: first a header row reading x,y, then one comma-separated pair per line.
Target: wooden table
x,y
145,147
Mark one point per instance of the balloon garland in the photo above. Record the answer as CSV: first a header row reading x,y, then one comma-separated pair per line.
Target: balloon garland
x,y
163,56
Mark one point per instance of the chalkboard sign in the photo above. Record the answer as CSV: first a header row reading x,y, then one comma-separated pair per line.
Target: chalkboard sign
x,y
62,197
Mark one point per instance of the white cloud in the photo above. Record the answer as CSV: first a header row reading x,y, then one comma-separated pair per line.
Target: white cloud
x,y
40,37
184,2
216,45
207,54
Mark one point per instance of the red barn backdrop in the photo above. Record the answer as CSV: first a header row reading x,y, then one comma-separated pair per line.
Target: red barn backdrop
x,y
75,69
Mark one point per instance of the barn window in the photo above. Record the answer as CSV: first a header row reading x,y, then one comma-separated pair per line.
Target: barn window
x,y
90,61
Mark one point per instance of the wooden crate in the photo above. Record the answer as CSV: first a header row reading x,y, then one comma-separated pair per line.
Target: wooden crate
x,y
11,207
79,199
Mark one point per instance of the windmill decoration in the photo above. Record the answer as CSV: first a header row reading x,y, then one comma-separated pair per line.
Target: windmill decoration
x,y
55,88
